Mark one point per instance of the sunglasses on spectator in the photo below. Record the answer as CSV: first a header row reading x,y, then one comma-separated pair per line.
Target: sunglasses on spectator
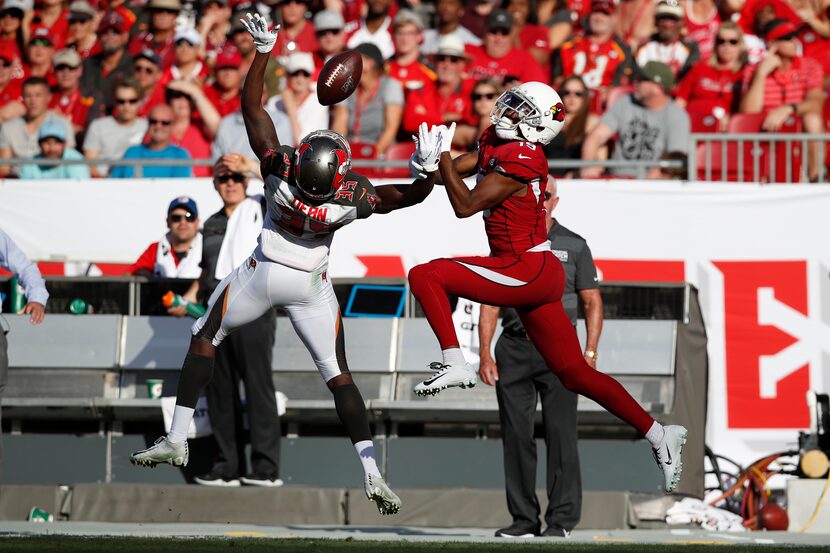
x,y
144,68
732,41
184,41
122,101
325,32
162,122
440,58
178,218
41,42
300,73
109,31
164,10
4,64
475,96
578,93
502,32
236,177
63,67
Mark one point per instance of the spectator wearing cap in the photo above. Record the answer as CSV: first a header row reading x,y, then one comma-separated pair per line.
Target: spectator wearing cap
x,y
634,23
667,46
13,34
11,91
527,33
297,101
82,37
147,71
375,28
187,64
296,31
113,63
19,136
51,139
785,84
448,14
109,137
51,16
190,135
213,26
224,92
39,54
405,66
372,115
67,97
244,43
178,252
158,146
159,34
599,57
331,37
448,99
498,57
648,124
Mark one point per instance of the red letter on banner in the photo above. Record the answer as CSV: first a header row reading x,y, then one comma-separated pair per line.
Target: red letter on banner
x,y
746,341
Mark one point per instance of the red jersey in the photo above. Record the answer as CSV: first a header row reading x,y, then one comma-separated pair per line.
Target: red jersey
x,y
429,106
595,62
12,92
197,145
534,36
712,86
222,105
304,41
702,31
414,76
518,223
59,30
517,63
74,106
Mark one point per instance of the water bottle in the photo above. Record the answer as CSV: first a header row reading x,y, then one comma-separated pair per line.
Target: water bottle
x,y
79,306
17,298
170,299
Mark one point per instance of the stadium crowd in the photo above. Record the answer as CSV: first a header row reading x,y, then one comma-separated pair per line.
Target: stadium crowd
x,y
138,79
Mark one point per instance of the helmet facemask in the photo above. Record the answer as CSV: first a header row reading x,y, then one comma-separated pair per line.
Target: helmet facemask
x,y
511,111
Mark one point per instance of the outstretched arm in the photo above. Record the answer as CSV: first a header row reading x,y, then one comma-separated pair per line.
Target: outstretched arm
x,y
260,128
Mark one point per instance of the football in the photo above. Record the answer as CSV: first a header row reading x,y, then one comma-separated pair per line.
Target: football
x,y
339,77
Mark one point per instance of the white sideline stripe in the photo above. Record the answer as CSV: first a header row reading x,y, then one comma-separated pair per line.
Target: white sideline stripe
x,y
493,276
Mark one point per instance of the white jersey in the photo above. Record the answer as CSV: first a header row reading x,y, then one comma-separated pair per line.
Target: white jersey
x,y
296,233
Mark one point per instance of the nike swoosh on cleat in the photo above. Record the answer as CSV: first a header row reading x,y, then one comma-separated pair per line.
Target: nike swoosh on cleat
x,y
668,455
431,380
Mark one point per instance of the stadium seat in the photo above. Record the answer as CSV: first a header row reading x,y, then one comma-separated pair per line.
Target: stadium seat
x,y
399,151
702,118
616,93
364,150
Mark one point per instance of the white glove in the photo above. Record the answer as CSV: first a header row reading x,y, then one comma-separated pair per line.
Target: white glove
x,y
416,170
428,147
447,134
258,27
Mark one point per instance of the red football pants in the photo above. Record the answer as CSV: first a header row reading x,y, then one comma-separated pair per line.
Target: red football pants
x,y
532,283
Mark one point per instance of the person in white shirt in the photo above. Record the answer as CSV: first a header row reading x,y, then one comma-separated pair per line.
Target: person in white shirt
x,y
375,28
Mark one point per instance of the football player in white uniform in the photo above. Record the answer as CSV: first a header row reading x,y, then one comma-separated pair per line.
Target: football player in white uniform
x,y
310,192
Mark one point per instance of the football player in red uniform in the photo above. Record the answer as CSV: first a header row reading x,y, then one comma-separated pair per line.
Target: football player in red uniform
x,y
310,192
521,270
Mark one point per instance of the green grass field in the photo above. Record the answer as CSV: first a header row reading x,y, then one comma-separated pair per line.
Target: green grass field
x,y
72,544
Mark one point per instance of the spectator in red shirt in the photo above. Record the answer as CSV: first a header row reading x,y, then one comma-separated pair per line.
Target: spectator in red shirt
x,y
185,133
214,27
204,114
296,31
482,99
498,58
446,101
51,15
82,38
405,66
702,21
147,71
158,36
67,98
599,57
331,38
11,92
113,64
13,34
179,252
39,54
714,87
224,92
527,33
785,84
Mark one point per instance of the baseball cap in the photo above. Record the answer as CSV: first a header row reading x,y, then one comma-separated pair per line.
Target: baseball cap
x,y
778,29
41,33
185,202
669,8
299,61
327,20
81,10
175,5
113,20
405,16
451,45
188,34
229,56
499,19
604,6
149,55
659,73
19,5
67,56
370,51
52,128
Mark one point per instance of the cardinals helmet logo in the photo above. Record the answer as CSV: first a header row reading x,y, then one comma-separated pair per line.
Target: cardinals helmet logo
x,y
558,112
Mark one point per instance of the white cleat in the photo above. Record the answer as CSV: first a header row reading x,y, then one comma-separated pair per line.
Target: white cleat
x,y
162,451
378,490
446,376
667,455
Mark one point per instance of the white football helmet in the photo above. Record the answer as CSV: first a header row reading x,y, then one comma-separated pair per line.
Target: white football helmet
x,y
532,111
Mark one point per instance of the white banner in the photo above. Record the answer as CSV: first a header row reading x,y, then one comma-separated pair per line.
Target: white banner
x,y
758,254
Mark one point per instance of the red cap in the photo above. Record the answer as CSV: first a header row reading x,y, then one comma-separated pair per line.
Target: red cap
x,y
113,20
604,6
782,29
41,33
228,57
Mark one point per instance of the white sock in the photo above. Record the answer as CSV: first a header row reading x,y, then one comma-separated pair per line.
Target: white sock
x,y
181,422
655,434
366,452
454,357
